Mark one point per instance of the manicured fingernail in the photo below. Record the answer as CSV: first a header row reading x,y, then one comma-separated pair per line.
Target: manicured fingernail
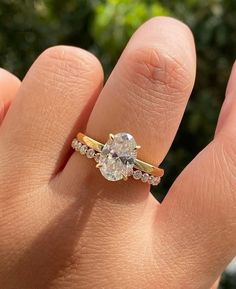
x,y
231,86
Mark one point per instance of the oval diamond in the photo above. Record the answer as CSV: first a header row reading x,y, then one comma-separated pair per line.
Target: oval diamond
x,y
117,157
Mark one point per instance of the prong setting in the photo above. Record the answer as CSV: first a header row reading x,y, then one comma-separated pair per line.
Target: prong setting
x,y
111,136
125,178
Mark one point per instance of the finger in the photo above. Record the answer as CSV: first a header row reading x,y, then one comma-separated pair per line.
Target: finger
x,y
147,91
9,85
196,221
56,96
145,95
216,284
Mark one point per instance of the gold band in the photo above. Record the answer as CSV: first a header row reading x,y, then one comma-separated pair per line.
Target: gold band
x,y
140,165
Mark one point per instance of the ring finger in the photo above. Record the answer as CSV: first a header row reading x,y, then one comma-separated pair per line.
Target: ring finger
x,y
147,91
145,95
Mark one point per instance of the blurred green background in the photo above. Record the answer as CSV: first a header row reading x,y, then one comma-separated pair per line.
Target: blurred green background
x,y
104,27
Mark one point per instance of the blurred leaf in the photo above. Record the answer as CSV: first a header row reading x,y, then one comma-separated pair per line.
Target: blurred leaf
x,y
115,22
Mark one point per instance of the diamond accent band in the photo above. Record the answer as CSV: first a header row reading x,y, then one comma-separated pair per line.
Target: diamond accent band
x,y
117,158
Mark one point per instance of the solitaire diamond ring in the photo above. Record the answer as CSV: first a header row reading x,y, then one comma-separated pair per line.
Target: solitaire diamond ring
x,y
117,158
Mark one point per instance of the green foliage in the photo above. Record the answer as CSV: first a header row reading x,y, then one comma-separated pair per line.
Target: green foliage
x,y
29,27
228,281
114,23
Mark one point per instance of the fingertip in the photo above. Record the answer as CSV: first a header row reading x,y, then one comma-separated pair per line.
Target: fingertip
x,y
78,61
7,74
7,78
170,35
54,102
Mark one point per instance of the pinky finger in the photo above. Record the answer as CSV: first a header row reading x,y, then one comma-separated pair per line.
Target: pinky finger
x,y
9,85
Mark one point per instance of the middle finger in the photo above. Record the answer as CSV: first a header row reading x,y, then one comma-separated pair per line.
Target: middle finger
x,y
147,92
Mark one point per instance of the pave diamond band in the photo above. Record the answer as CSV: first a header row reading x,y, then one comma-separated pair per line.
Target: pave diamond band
x,y
117,158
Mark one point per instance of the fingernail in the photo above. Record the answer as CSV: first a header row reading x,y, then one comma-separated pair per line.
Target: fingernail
x,y
231,86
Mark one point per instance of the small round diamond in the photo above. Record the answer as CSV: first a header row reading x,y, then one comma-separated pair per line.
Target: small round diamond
x,y
145,177
90,153
97,156
83,149
74,143
137,175
156,181
150,180
78,146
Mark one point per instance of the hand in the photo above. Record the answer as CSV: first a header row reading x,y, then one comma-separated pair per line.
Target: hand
x,y
62,224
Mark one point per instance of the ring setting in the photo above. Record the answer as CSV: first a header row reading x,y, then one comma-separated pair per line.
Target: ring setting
x,y
117,158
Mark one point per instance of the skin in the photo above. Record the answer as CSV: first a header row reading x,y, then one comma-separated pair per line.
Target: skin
x,y
9,85
62,224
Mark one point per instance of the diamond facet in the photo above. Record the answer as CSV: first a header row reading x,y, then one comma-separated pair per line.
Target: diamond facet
x,y
117,157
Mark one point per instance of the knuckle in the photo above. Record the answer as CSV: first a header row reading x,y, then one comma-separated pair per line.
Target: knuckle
x,y
152,69
68,62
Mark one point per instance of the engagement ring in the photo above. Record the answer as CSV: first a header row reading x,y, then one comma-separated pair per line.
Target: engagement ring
x,y
117,158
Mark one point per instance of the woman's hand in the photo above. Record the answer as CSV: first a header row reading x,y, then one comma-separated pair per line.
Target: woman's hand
x,y
62,225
